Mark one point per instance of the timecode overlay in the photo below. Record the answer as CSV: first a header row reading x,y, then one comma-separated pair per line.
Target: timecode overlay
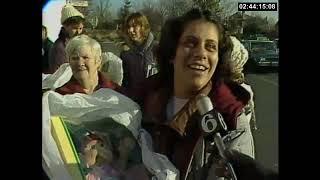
x,y
258,6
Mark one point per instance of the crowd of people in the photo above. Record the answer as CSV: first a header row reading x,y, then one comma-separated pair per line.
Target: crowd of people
x,y
195,56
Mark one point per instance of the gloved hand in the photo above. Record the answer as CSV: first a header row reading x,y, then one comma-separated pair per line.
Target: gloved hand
x,y
245,167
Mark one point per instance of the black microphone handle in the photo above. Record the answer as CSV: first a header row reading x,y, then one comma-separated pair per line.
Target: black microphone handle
x,y
221,148
204,105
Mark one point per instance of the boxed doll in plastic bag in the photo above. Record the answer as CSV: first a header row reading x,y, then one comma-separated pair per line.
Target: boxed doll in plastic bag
x,y
106,150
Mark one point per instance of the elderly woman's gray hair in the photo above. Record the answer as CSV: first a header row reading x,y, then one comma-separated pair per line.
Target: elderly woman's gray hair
x,y
83,40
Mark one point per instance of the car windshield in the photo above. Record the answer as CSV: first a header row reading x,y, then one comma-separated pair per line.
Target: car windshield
x,y
246,44
263,46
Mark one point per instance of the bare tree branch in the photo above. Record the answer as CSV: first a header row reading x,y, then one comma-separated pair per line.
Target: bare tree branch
x,y
229,7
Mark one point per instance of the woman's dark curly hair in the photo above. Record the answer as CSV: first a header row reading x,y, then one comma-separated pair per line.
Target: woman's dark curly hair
x,y
170,35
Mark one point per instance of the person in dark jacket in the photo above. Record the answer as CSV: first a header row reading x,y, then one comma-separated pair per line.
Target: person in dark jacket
x,y
138,62
72,25
46,47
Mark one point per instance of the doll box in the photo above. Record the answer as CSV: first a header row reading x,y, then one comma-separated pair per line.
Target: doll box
x,y
66,147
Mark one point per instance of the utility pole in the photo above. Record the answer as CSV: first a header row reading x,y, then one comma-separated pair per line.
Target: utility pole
x,y
242,23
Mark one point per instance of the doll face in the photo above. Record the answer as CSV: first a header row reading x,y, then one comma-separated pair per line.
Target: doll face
x,y
90,153
126,145
105,154
97,151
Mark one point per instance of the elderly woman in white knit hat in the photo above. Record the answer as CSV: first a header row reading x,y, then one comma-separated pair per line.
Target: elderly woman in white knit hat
x,y
72,24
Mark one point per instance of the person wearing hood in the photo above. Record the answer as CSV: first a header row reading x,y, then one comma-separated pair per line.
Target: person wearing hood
x,y
138,62
72,25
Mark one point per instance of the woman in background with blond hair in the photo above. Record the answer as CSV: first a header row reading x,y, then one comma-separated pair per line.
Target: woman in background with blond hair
x,y
138,62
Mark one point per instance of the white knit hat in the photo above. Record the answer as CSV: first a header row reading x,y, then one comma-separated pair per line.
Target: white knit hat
x,y
69,11
239,55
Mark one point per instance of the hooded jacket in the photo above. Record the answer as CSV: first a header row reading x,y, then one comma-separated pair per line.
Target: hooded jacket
x,y
138,63
57,55
180,138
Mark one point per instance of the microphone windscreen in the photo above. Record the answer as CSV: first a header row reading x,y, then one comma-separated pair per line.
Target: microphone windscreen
x,y
204,104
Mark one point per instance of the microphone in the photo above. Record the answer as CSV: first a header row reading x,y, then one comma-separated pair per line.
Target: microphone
x,y
212,124
212,121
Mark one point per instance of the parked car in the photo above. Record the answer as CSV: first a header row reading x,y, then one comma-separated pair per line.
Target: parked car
x,y
263,55
277,43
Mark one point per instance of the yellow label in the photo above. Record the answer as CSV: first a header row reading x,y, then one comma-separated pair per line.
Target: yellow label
x,y
66,148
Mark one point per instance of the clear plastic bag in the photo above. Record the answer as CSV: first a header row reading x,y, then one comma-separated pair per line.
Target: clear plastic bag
x,y
88,110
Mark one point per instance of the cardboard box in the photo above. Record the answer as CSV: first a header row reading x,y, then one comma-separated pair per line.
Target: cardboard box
x,y
66,148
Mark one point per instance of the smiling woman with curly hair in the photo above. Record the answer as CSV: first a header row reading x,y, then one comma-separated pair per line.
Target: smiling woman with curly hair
x,y
194,56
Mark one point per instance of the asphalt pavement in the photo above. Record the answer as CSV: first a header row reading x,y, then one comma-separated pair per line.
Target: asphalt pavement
x,y
266,90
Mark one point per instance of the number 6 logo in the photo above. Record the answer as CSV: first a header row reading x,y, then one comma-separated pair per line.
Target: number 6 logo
x,y
208,123
223,124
